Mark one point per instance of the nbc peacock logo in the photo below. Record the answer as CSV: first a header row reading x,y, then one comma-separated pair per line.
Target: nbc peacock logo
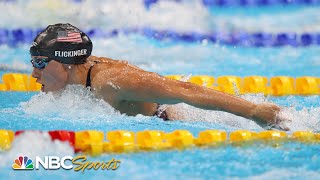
x,y
22,163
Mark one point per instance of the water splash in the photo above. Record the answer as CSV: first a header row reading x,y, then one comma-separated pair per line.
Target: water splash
x,y
26,145
116,14
188,15
77,104
286,173
74,103
307,119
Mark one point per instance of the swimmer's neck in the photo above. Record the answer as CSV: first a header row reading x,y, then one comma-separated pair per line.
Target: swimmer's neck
x,y
77,74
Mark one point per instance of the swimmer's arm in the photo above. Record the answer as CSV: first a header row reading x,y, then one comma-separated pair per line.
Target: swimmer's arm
x,y
151,87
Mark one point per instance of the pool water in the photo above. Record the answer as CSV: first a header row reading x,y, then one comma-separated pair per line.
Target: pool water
x,y
40,111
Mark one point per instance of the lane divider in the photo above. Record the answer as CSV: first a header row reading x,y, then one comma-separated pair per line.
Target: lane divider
x,y
14,37
275,86
121,141
244,3
19,82
224,3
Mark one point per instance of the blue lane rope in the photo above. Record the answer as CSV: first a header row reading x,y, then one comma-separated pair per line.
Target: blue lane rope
x,y
224,3
244,3
15,69
232,3
259,39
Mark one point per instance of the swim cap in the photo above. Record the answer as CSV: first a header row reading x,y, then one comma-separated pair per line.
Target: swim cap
x,y
64,43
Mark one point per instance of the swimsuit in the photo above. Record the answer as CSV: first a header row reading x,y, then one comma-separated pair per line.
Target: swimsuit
x,y
88,83
160,112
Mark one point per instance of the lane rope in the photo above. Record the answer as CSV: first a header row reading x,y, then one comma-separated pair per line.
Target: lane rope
x,y
235,85
15,37
241,3
122,141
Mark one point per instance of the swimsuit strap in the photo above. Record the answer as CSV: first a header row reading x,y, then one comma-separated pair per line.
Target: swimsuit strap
x,y
88,83
161,113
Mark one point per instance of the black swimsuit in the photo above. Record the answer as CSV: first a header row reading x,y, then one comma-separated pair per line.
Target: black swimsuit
x,y
88,83
160,113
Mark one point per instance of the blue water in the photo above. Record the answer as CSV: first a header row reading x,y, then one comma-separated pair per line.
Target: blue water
x,y
168,58
221,163
76,109
285,161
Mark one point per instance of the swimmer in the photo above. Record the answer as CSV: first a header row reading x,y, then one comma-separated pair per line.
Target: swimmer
x,y
61,55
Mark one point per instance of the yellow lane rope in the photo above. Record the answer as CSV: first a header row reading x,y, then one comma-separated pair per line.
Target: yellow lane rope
x,y
119,141
274,86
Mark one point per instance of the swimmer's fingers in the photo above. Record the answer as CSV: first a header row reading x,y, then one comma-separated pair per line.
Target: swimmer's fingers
x,y
282,127
280,122
270,115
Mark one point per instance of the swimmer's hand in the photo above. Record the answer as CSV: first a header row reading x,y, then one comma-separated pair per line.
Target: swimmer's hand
x,y
267,115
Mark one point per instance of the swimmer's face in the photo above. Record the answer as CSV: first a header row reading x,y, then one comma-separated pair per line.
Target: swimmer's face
x,y
53,77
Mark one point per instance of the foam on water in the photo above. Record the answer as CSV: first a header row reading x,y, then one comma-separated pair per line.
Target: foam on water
x,y
74,103
63,107
285,173
298,21
305,119
189,15
78,105
26,145
116,14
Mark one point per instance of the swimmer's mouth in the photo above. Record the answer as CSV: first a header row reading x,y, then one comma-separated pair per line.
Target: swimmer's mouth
x,y
42,87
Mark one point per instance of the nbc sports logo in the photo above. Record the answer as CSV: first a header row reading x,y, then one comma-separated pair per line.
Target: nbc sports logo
x,y
22,163
78,163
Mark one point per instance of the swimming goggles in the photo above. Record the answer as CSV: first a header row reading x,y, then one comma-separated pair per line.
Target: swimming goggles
x,y
40,62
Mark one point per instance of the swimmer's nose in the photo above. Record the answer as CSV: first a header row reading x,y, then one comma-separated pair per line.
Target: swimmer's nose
x,y
36,73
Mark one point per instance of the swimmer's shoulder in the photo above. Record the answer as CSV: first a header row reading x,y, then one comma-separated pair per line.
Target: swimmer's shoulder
x,y
105,60
109,63
107,71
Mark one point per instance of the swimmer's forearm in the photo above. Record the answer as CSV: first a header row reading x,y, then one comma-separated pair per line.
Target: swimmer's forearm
x,y
205,98
210,99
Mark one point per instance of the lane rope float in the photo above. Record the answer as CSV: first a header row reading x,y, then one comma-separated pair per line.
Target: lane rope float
x,y
121,141
274,86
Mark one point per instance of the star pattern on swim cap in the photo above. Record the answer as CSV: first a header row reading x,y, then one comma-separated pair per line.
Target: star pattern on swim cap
x,y
33,44
62,34
68,36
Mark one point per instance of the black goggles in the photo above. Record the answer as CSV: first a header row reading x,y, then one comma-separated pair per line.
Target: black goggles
x,y
40,62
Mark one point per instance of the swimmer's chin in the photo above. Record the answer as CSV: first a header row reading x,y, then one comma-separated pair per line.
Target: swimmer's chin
x,y
46,90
